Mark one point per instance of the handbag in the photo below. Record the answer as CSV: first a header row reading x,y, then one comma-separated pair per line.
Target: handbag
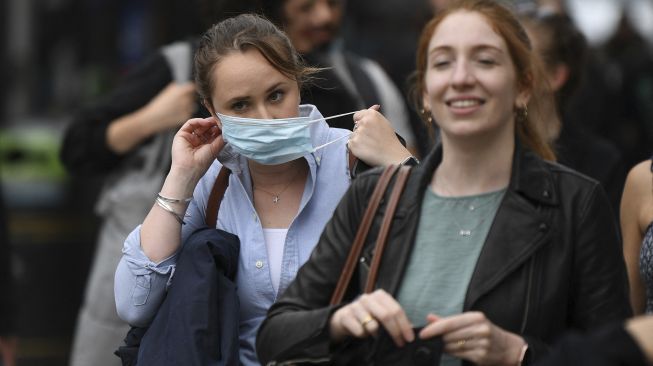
x,y
381,350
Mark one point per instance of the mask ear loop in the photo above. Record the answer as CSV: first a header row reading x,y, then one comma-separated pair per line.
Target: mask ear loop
x,y
328,143
339,138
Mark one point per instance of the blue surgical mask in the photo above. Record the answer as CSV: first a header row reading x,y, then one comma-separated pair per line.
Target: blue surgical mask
x,y
271,141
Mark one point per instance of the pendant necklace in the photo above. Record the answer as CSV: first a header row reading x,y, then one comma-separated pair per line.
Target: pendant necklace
x,y
276,197
471,207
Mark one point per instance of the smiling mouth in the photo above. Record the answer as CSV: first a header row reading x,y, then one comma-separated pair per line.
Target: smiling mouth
x,y
465,103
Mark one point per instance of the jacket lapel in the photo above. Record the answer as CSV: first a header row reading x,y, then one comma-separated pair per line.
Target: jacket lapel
x,y
521,225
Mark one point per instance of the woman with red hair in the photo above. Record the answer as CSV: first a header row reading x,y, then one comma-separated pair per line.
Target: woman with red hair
x,y
494,247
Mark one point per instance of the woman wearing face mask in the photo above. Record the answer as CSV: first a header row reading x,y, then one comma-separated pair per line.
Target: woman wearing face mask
x,y
494,247
289,170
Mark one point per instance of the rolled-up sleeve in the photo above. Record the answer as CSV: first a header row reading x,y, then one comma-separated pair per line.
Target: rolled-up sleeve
x,y
140,284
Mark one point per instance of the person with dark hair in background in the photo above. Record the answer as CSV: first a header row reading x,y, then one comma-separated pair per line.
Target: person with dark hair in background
x,y
494,248
347,81
8,340
563,49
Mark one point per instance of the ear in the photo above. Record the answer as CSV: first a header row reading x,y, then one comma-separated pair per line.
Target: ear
x,y
207,104
522,98
426,105
559,77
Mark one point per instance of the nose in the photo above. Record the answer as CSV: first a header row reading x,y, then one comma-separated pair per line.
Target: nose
x,y
322,13
463,74
263,112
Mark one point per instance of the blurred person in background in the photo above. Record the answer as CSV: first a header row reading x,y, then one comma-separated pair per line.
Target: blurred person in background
x,y
615,100
348,80
637,231
563,50
372,30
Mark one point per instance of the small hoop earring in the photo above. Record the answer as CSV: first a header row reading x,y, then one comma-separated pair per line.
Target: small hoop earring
x,y
522,114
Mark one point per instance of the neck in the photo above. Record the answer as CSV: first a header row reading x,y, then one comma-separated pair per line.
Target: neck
x,y
473,167
274,175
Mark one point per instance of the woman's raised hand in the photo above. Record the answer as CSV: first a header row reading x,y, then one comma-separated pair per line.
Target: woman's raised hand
x,y
196,145
374,140
471,336
363,317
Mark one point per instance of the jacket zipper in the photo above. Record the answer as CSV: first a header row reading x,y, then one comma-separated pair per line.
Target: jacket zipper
x,y
528,295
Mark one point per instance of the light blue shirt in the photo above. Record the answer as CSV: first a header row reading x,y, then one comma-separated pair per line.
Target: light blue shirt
x,y
140,284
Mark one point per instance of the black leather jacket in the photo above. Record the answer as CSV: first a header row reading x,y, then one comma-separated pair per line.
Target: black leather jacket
x,y
552,261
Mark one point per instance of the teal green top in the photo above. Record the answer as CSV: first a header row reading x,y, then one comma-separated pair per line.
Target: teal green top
x,y
450,235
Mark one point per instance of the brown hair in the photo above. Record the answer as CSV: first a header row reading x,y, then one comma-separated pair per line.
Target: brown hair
x,y
239,34
530,75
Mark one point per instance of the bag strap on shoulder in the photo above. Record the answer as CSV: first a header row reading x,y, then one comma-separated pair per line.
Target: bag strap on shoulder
x,y
215,198
366,223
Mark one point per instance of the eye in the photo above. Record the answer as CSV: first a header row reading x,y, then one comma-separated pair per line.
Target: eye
x,y
485,59
239,106
441,63
276,96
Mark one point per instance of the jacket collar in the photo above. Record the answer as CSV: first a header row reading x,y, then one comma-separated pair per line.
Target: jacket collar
x,y
518,230
529,175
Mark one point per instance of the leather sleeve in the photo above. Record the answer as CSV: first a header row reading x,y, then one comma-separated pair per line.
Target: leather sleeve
x,y
297,325
599,281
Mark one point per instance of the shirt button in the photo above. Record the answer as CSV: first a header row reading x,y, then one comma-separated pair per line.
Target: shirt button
x,y
259,264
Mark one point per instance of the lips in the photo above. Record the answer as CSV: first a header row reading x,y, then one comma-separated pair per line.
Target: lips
x,y
465,102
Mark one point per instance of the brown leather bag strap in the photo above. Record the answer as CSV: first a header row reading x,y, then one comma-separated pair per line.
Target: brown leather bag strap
x,y
382,239
361,234
215,198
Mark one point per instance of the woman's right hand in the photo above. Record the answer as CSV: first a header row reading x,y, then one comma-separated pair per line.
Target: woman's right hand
x,y
196,145
362,318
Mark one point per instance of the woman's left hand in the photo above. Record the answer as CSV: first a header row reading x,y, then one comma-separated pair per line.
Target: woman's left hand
x,y
471,336
374,140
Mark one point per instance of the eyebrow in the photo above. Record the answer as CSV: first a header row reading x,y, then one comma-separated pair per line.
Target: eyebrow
x,y
480,47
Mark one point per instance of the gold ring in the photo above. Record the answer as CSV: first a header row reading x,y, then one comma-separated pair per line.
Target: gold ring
x,y
367,319
461,342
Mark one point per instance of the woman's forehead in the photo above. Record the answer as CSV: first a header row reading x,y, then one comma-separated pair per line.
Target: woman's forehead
x,y
245,72
466,29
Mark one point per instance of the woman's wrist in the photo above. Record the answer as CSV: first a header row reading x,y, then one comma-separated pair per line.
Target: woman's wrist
x,y
180,184
515,350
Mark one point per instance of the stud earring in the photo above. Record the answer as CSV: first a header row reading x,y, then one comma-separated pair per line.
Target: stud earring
x,y
426,115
